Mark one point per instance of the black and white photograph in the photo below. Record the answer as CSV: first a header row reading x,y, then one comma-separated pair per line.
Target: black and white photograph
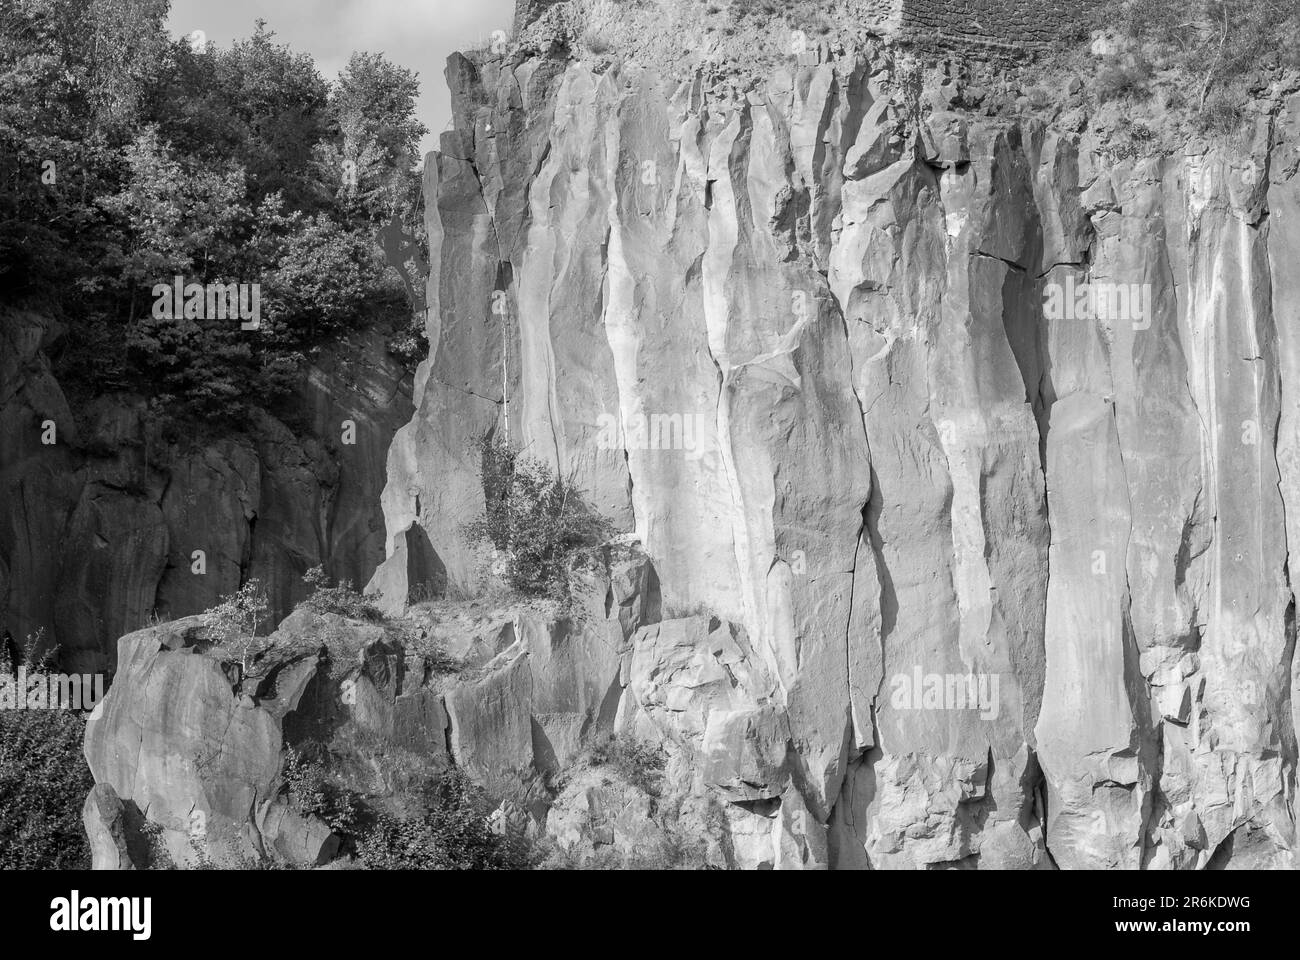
x,y
650,436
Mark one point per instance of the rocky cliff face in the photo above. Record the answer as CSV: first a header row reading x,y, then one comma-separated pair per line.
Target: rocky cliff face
x,y
959,438
100,520
992,583
193,742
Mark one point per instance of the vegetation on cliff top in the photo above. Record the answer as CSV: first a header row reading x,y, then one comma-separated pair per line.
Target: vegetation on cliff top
x,y
129,158
1206,54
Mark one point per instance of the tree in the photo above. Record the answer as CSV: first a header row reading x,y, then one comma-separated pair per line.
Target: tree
x,y
128,158
278,104
176,218
72,77
235,620
320,276
125,43
375,149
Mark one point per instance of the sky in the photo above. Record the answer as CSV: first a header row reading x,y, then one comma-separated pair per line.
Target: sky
x,y
417,34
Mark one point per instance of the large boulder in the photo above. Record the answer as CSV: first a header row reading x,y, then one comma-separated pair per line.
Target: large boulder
x,y
193,737
107,829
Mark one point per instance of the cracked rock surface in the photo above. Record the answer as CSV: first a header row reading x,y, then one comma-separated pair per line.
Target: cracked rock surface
x,y
973,584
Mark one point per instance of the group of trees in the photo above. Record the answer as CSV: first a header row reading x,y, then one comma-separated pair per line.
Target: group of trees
x,y
129,157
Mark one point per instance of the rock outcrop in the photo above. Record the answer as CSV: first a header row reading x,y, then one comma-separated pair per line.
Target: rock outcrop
x,y
957,568
185,749
958,444
107,829
189,747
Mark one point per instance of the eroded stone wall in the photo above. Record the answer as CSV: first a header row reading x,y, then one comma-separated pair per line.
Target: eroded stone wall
x,y
996,22
103,525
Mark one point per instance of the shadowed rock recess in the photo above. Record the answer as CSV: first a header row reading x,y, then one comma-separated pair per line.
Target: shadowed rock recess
x,y
99,531
926,578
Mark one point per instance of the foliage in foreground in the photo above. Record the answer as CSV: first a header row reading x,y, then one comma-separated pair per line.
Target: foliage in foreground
x,y
451,831
44,782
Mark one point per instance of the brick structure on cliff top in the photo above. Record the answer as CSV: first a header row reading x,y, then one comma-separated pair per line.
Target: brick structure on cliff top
x,y
949,23
995,22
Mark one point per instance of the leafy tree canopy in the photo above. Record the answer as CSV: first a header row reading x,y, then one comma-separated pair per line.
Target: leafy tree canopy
x,y
129,158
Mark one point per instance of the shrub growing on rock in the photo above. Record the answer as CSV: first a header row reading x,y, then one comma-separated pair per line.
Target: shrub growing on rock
x,y
450,831
674,850
536,521
342,598
312,791
452,834
640,764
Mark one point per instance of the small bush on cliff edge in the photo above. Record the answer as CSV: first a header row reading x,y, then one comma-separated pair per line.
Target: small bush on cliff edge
x,y
342,598
234,623
640,764
537,522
